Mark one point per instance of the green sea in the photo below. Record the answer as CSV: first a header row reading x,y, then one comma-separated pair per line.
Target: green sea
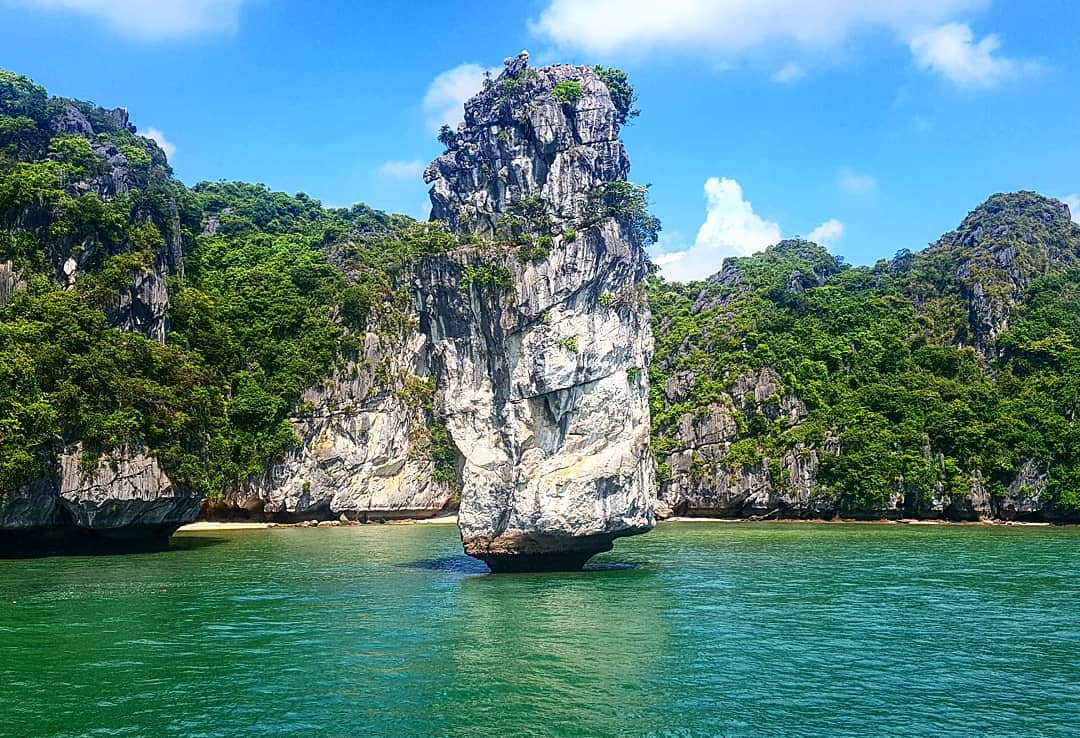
x,y
697,629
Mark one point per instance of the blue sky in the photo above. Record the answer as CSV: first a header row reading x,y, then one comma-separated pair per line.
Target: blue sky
x,y
873,128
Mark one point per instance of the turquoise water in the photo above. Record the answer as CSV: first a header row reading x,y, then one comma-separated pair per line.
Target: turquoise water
x,y
694,629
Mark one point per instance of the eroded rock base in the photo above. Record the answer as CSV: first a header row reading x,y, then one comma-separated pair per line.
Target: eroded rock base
x,y
524,563
530,554
63,540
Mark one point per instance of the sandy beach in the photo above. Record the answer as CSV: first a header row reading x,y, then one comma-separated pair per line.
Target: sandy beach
x,y
200,525
850,521
213,525
209,525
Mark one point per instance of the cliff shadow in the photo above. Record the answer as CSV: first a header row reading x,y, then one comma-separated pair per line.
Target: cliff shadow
x,y
459,564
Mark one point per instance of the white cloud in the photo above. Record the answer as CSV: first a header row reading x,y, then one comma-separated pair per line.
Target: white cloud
x,y
159,137
724,29
828,233
670,257
855,183
790,72
150,20
727,27
731,228
730,223
950,51
447,93
402,169
1073,201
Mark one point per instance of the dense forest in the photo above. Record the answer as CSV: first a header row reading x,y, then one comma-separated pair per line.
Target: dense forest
x,y
188,321
931,374
259,294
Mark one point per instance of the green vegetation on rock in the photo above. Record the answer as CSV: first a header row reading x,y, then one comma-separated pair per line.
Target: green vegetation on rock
x,y
485,276
266,293
622,94
933,373
567,92
629,203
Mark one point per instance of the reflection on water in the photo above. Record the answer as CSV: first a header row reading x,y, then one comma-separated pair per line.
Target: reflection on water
x,y
461,564
694,629
555,653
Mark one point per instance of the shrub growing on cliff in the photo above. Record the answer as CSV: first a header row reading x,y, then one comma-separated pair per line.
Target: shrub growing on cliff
x,y
447,136
76,156
622,94
533,251
445,455
630,203
19,96
484,276
100,287
567,92
418,392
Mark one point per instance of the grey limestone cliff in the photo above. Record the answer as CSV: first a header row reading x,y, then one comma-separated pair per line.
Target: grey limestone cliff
x,y
540,334
364,448
123,499
999,249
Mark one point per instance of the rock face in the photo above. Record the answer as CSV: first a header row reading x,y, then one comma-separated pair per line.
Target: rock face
x,y
9,282
540,336
365,447
699,483
1000,249
122,500
142,306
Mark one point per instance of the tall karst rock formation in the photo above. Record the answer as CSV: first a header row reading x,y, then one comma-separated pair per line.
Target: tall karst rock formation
x,y
540,333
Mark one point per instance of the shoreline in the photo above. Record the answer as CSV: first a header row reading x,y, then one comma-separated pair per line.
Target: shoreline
x,y
202,526
861,521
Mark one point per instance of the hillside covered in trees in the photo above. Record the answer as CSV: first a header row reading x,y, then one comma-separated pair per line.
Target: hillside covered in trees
x,y
940,383
137,312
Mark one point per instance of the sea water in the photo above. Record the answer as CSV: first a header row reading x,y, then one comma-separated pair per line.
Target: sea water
x,y
693,629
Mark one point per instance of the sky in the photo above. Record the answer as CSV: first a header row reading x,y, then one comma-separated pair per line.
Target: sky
x,y
868,127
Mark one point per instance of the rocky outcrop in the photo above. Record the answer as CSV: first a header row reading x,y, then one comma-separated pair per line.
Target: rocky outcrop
x,y
365,446
10,281
701,479
124,499
540,335
143,306
120,500
999,249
